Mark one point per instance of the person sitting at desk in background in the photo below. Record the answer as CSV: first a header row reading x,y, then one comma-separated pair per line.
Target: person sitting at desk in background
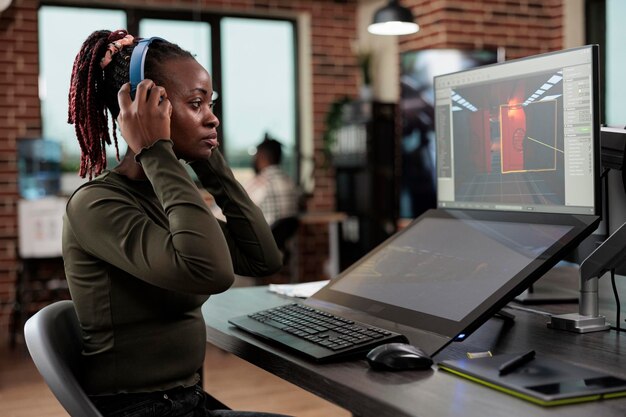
x,y
142,252
271,188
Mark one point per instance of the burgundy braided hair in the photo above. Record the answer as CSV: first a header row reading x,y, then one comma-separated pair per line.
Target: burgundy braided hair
x,y
93,91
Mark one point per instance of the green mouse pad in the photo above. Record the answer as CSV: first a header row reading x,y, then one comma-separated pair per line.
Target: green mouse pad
x,y
544,381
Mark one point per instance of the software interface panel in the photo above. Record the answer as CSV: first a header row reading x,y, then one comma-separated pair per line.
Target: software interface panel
x,y
519,136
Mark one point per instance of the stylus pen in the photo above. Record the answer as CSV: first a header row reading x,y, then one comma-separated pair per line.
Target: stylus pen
x,y
516,362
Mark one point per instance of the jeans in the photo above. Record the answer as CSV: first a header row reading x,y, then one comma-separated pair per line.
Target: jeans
x,y
179,402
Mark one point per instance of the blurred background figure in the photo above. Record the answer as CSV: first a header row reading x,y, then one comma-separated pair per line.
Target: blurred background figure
x,y
271,188
277,196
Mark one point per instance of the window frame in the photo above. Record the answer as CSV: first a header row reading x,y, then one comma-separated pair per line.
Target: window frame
x,y
135,14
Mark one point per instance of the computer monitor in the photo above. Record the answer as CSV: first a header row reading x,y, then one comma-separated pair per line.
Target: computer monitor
x,y
521,136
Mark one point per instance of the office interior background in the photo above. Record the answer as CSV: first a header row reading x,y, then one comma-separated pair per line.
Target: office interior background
x,y
281,66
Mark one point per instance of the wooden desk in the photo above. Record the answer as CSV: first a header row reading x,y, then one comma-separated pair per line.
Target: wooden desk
x,y
353,386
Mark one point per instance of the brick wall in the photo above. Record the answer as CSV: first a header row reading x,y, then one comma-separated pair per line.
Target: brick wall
x,y
19,114
522,27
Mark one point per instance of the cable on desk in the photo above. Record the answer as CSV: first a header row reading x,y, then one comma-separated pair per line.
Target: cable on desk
x,y
617,304
529,310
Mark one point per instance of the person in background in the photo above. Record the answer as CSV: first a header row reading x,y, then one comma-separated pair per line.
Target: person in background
x,y
271,188
141,249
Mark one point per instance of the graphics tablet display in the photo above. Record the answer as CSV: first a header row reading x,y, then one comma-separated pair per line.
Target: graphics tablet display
x,y
449,257
449,270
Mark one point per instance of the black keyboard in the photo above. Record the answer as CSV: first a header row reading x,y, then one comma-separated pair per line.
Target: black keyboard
x,y
319,335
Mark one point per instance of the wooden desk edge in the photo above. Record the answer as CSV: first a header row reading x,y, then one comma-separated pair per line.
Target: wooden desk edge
x,y
322,217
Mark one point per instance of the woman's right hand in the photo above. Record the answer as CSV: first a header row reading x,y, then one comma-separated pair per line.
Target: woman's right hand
x,y
146,119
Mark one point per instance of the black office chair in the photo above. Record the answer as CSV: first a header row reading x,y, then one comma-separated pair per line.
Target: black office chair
x,y
283,230
54,341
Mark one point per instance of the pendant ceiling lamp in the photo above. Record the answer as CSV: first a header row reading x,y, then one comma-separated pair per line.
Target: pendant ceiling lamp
x,y
393,19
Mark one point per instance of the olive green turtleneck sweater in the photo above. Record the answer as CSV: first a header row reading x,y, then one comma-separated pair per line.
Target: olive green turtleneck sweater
x,y
141,257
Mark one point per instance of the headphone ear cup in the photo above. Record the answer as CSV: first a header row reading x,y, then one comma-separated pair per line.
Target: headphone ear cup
x,y
137,63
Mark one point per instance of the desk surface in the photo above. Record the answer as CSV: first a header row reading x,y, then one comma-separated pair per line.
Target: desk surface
x,y
353,386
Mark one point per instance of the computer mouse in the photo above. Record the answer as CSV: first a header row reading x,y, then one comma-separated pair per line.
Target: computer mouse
x,y
398,357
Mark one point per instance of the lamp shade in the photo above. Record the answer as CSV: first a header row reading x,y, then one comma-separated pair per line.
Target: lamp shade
x,y
4,4
393,19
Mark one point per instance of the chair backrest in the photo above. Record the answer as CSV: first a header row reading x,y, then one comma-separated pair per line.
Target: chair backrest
x,y
54,341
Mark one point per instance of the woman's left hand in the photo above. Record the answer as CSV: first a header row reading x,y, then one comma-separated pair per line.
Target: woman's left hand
x,y
146,119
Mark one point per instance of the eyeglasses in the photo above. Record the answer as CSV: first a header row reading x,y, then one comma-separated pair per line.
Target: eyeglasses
x,y
214,96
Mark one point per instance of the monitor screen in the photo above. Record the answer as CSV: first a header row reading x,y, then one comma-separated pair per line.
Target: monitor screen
x,y
520,135
460,256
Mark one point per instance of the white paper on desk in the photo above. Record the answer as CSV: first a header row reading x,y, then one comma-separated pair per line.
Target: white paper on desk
x,y
303,290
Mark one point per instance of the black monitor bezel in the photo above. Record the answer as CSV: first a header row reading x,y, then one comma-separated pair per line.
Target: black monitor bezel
x,y
595,70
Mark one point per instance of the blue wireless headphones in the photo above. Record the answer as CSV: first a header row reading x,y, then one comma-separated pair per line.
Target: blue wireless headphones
x,y
137,62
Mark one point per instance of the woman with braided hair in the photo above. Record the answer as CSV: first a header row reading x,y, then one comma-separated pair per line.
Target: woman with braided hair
x,y
142,251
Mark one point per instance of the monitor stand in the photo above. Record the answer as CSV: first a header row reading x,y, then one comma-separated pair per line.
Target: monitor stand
x,y
555,287
508,318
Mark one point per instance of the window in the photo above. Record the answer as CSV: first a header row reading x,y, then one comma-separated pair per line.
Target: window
x,y
615,63
256,61
62,31
258,79
195,37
